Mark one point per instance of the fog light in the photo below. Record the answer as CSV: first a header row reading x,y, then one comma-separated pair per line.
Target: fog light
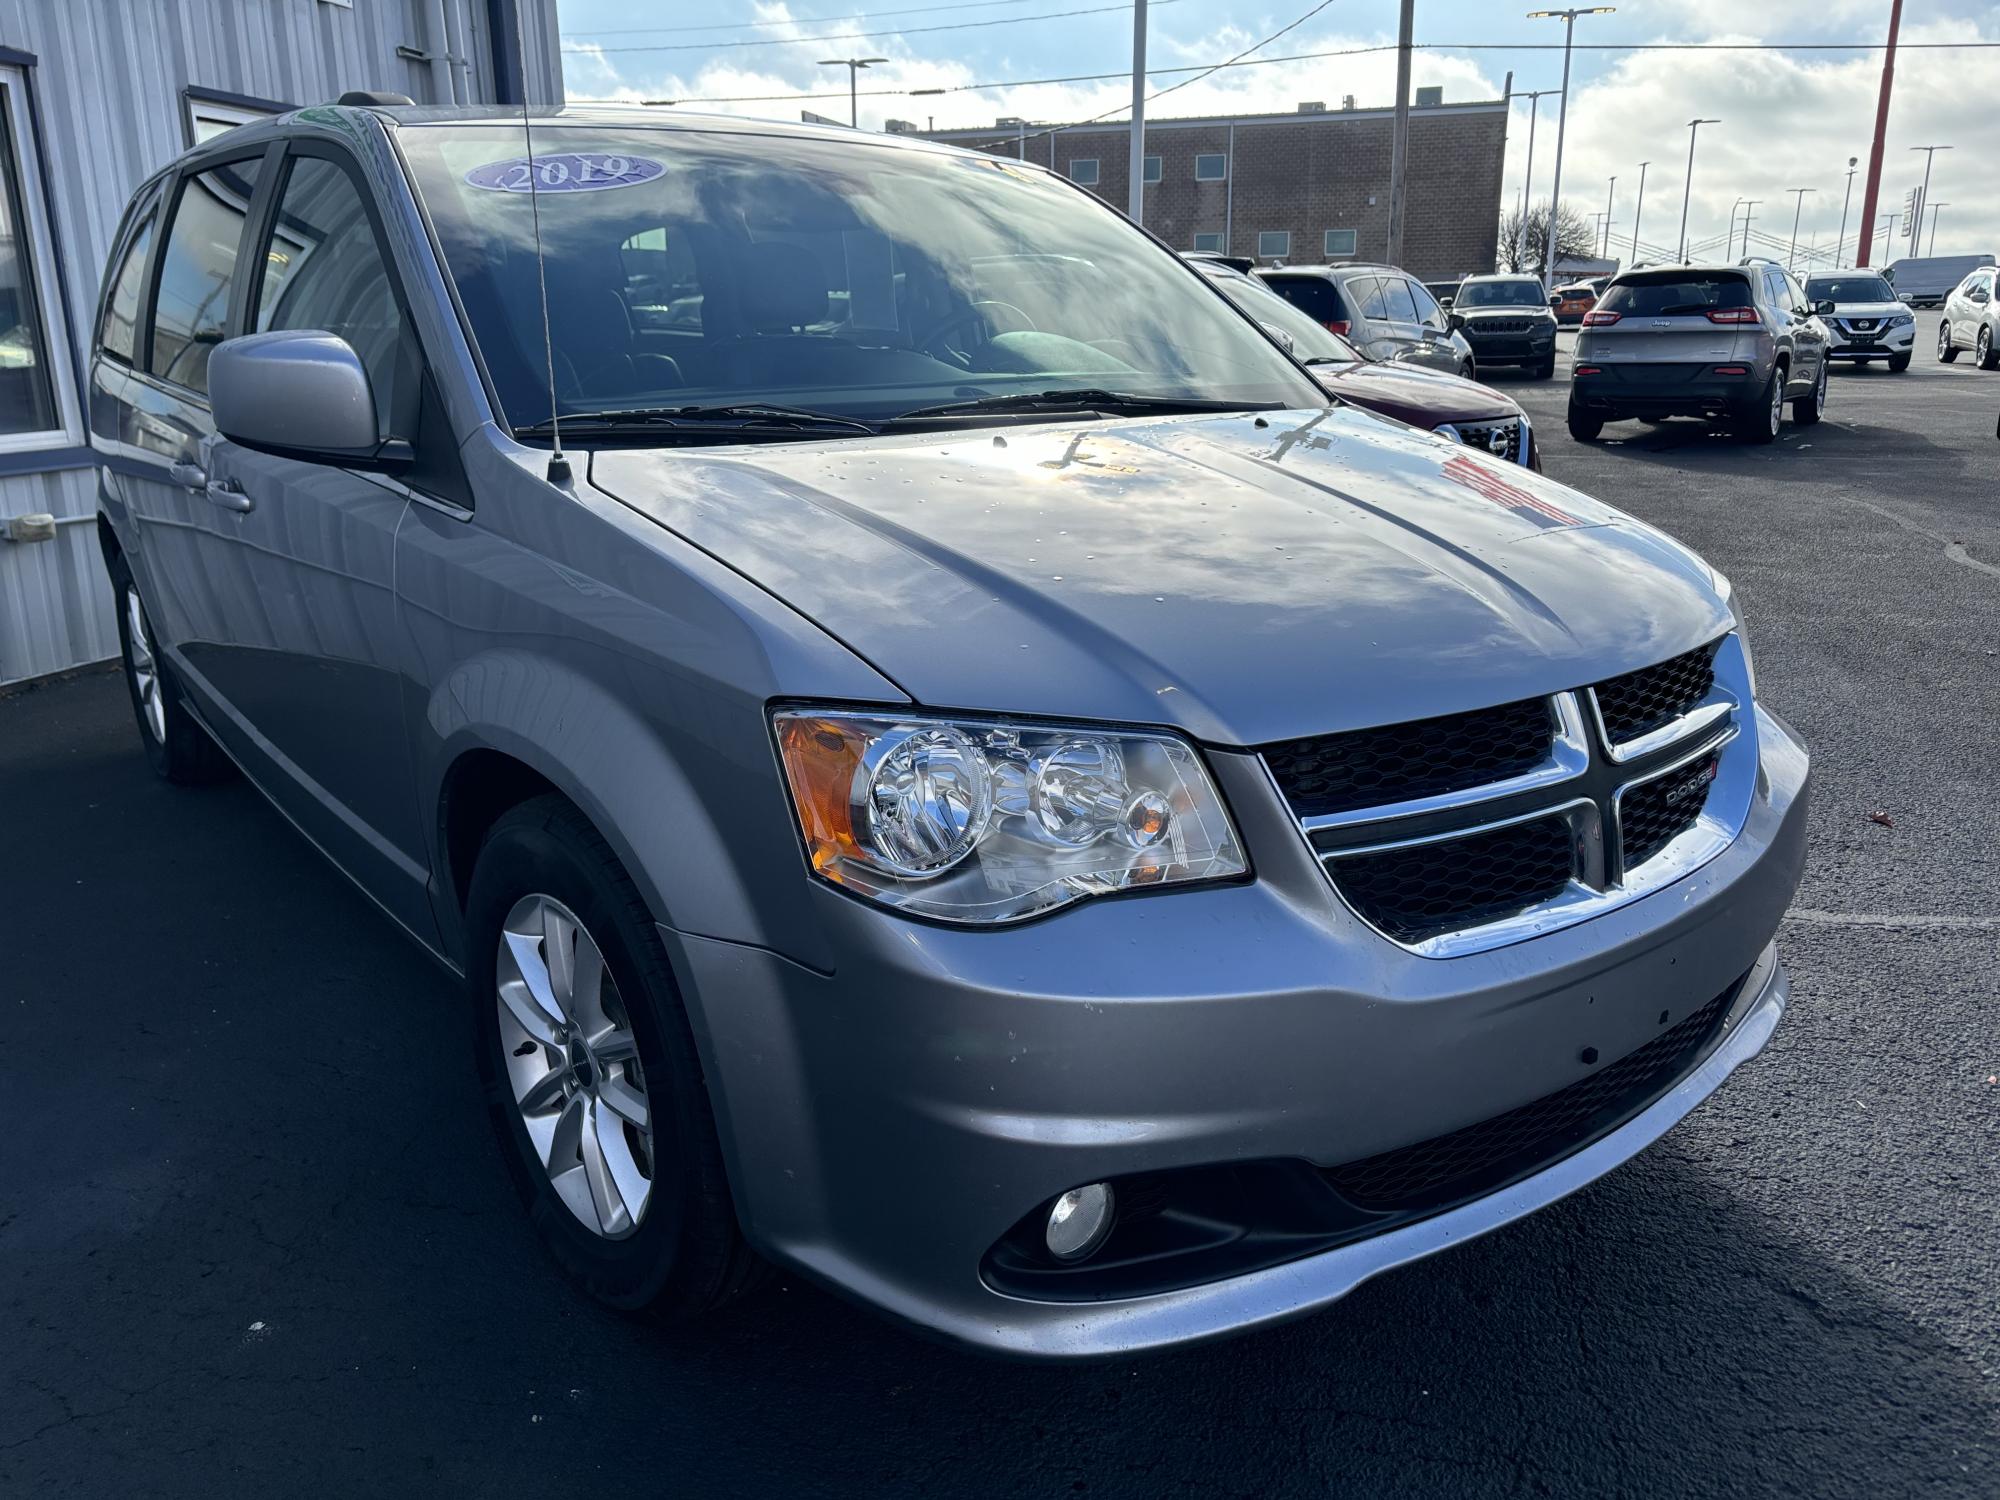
x,y
1080,1220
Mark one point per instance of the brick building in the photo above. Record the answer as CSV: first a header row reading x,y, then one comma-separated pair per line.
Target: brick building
x,y
1305,187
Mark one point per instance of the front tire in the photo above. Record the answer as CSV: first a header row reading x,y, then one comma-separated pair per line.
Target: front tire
x,y
1984,354
179,749
590,1072
1898,363
1546,369
1809,409
1947,351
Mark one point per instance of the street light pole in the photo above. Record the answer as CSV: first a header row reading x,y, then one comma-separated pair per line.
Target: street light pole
x,y
1637,209
1934,218
1399,132
1917,219
1749,213
1135,196
1852,162
1568,18
854,65
1528,180
1798,203
1610,196
1687,188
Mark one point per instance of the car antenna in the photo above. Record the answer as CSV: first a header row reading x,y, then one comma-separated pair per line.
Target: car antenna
x,y
558,471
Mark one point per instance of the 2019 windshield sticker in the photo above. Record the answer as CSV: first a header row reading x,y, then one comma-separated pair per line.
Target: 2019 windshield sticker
x,y
566,172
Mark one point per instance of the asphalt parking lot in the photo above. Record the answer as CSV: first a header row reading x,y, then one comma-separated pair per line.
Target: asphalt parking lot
x,y
254,1238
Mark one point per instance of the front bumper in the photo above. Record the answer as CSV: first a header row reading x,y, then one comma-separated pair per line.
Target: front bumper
x,y
1512,349
885,1125
1891,342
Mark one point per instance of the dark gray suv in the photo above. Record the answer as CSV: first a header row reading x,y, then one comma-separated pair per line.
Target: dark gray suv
x,y
965,775
1729,343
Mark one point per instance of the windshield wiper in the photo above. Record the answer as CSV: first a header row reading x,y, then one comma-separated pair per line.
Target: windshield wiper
x,y
1124,402
704,421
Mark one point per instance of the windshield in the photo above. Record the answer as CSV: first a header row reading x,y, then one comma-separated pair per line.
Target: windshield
x,y
711,268
1500,294
1310,340
1849,289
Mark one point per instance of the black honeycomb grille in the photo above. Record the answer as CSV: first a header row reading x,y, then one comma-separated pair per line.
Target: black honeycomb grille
x,y
1481,435
1334,773
1422,890
1642,701
1482,1157
1652,814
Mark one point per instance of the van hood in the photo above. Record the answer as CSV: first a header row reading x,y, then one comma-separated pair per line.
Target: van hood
x,y
1871,309
1244,578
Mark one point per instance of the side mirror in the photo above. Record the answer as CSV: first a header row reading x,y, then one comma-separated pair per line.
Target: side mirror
x,y
1445,303
1455,322
1284,340
300,394
1824,307
1555,302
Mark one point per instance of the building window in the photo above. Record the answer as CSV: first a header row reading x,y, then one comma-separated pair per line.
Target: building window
x,y
37,409
1083,169
208,113
1152,169
1340,244
1211,166
1209,242
1274,244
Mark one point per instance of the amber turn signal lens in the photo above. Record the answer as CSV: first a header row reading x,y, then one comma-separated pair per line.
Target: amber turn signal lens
x,y
821,757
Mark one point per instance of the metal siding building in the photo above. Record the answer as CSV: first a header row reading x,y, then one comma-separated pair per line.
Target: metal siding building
x,y
94,96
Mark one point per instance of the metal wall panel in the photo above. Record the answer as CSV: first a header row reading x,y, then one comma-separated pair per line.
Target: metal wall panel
x,y
107,84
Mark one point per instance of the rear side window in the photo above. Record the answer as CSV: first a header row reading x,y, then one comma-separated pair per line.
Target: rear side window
x,y
1368,296
1676,294
198,271
1396,297
1317,297
118,335
325,270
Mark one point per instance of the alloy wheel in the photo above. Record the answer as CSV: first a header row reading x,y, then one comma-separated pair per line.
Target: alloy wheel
x,y
144,665
1777,412
1984,354
574,1066
1944,339
1819,395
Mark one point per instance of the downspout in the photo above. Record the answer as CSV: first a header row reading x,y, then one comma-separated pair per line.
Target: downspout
x,y
460,25
1229,194
442,91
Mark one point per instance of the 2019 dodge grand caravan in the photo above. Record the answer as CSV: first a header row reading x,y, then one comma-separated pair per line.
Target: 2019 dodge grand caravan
x,y
957,770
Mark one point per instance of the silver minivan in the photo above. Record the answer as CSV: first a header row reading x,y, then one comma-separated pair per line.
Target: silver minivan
x,y
957,770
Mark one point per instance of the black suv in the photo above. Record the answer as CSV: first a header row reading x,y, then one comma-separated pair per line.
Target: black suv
x,y
1507,321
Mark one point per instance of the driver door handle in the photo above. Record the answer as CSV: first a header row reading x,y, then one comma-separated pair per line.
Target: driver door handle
x,y
228,494
188,476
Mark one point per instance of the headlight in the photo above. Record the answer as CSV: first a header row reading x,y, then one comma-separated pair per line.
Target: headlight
x,y
969,821
1899,320
1728,591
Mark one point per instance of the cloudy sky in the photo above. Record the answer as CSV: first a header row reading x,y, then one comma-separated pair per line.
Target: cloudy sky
x,y
1788,118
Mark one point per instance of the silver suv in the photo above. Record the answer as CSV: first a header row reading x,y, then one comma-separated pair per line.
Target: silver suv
x,y
965,775
1730,343
1972,320
1382,311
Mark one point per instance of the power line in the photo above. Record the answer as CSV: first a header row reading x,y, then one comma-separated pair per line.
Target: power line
x,y
1252,62
860,36
914,10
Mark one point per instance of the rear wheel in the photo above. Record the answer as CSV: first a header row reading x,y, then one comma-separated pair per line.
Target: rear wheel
x,y
1584,426
1983,352
590,1071
1760,420
1947,351
178,747
1809,409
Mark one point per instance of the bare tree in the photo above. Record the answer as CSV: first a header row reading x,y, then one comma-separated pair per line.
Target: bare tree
x,y
1574,238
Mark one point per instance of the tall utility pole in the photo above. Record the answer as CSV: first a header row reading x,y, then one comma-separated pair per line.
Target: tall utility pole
x,y
1135,197
1798,203
1687,188
1637,209
1873,187
1528,181
1568,18
1749,207
854,65
1844,197
1610,196
1399,136
1934,217
1917,219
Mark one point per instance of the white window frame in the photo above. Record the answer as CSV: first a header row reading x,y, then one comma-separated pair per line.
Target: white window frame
x,y
36,248
1353,244
228,116
1083,161
1213,235
1155,169
1281,254
1221,156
